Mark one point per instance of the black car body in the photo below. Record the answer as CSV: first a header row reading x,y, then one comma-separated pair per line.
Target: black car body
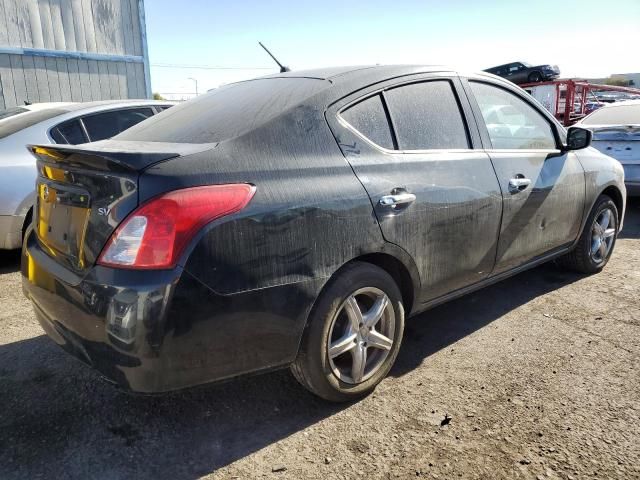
x,y
322,180
522,72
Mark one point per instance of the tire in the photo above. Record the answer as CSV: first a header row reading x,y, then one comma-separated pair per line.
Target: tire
x,y
582,258
27,222
535,77
334,326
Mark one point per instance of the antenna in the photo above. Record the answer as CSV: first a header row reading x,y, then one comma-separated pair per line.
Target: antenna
x,y
283,69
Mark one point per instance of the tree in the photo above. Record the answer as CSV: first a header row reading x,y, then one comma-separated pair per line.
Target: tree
x,y
617,81
157,96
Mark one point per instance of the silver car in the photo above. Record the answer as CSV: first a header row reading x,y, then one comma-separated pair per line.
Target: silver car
x,y
55,123
616,132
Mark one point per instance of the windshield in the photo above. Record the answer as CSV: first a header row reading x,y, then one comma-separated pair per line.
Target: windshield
x,y
27,119
615,115
225,112
10,112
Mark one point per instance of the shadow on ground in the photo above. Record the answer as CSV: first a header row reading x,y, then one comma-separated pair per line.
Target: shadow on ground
x,y
9,261
58,419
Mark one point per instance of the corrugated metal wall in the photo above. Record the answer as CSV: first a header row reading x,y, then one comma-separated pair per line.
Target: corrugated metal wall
x,y
72,50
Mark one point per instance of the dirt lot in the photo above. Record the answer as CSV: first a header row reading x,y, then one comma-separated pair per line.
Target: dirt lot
x,y
538,375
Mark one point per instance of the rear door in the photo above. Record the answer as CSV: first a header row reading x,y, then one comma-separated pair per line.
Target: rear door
x,y
433,194
543,188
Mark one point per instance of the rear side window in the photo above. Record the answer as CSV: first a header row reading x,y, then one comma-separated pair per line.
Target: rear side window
x,y
369,118
427,116
69,133
511,122
105,125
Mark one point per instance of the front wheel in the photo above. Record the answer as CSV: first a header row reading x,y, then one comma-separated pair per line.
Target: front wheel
x,y
597,240
353,335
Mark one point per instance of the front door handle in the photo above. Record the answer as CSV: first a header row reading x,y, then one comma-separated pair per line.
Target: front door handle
x,y
518,184
397,200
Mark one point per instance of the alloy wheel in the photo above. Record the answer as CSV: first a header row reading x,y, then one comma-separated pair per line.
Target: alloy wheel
x,y
602,235
361,335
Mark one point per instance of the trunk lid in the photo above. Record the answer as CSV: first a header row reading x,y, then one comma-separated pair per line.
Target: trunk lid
x,y
621,142
84,192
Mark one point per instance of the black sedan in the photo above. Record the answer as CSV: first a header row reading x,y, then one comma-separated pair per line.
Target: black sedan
x,y
522,72
298,219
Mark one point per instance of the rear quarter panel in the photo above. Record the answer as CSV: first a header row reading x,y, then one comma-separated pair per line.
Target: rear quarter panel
x,y
601,172
262,269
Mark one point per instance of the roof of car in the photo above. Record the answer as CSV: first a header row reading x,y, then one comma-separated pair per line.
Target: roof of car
x,y
73,106
622,103
336,73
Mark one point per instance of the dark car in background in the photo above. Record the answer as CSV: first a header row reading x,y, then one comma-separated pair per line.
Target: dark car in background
x,y
297,219
522,72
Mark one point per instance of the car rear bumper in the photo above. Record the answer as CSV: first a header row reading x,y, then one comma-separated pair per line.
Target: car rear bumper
x,y
11,231
154,331
632,178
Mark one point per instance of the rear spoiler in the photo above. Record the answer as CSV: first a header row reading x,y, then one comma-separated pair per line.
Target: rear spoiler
x,y
116,155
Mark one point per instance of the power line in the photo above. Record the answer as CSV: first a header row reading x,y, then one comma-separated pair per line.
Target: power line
x,y
207,67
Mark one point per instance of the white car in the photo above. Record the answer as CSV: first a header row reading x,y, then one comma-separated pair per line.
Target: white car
x,y
616,132
57,123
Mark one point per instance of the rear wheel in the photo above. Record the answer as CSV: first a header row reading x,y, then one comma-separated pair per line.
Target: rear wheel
x,y
353,336
598,238
535,77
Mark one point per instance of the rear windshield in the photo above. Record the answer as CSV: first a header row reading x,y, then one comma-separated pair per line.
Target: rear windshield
x,y
13,125
10,112
225,112
615,115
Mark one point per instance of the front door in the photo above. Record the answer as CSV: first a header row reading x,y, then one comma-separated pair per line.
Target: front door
x,y
543,188
433,194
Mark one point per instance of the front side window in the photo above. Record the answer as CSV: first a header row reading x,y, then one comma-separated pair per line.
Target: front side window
x,y
69,133
511,122
108,124
427,116
369,118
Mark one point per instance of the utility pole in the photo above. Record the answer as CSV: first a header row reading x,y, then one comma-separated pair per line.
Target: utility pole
x,y
191,78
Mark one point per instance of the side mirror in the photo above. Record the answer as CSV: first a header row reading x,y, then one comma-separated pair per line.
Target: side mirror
x,y
578,138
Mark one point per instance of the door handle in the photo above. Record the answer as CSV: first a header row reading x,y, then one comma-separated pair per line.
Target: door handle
x,y
518,184
397,200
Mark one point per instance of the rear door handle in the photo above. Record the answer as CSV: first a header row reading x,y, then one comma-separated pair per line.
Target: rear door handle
x,y
397,200
518,184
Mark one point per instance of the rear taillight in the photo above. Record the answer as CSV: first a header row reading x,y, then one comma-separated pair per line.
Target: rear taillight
x,y
154,235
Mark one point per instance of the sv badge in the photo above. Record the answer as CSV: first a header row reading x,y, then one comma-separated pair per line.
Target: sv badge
x,y
104,211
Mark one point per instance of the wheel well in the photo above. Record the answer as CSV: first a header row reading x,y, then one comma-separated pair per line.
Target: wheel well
x,y
27,221
398,272
615,195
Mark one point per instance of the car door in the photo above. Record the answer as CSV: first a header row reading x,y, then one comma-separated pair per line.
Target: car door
x,y
543,188
433,194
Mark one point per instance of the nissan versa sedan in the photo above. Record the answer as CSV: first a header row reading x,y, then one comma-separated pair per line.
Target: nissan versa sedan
x,y
56,122
298,219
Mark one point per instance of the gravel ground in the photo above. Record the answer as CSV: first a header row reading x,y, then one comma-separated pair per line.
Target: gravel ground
x,y
535,377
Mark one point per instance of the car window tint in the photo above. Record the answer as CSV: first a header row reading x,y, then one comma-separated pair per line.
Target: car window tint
x,y
69,133
370,119
512,123
427,116
107,124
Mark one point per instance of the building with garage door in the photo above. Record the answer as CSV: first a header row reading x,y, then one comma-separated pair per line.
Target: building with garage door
x,y
72,50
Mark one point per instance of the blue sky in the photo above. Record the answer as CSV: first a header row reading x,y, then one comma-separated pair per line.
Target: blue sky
x,y
585,38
